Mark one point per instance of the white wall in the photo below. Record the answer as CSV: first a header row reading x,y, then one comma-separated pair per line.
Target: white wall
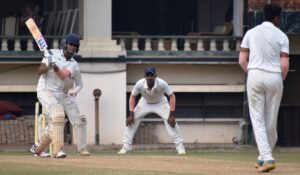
x,y
191,73
18,74
18,77
195,74
201,132
110,78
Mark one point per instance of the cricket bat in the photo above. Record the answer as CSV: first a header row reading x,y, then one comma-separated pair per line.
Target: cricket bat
x,y
39,38
37,35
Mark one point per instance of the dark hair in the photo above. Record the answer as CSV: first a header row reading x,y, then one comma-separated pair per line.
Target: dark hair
x,y
271,11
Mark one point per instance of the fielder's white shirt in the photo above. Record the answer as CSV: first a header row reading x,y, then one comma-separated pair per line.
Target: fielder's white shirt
x,y
49,80
265,43
156,94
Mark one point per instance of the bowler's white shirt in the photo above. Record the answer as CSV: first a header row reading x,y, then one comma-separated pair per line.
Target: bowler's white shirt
x,y
156,94
265,43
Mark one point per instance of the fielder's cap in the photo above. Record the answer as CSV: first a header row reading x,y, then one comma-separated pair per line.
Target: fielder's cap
x,y
150,69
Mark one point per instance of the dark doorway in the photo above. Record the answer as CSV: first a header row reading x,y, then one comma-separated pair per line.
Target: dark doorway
x,y
169,17
289,112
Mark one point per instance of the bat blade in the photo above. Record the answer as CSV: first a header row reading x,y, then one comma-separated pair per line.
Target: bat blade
x,y
37,35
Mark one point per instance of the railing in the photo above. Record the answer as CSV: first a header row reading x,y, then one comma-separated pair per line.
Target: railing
x,y
27,43
137,43
178,43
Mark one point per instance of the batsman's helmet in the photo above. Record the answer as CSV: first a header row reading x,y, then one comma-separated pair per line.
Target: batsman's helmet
x,y
71,38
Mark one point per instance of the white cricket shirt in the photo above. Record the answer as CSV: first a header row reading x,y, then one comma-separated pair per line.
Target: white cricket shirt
x,y
156,94
265,43
49,80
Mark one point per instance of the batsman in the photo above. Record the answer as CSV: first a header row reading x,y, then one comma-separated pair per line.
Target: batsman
x,y
58,74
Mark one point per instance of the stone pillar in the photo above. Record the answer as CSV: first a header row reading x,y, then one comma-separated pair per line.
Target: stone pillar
x,y
97,27
238,10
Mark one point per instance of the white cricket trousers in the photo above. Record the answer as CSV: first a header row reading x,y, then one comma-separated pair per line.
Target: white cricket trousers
x,y
264,96
48,98
143,108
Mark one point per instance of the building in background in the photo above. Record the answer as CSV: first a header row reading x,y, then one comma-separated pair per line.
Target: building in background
x,y
193,44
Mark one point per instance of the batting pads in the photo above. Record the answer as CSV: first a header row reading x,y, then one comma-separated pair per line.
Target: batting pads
x,y
43,121
44,141
56,130
43,134
80,129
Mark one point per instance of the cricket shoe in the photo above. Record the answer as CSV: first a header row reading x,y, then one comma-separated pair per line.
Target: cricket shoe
x,y
125,149
258,163
84,153
42,154
180,149
267,166
33,147
60,155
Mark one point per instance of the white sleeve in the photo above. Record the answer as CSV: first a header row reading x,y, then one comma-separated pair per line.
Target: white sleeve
x,y
137,88
78,82
245,42
285,45
167,88
72,68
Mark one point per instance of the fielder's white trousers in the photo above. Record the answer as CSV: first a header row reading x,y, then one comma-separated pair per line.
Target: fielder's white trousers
x,y
143,108
264,96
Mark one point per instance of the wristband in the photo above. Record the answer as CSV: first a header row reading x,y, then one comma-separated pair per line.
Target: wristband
x,y
55,68
172,113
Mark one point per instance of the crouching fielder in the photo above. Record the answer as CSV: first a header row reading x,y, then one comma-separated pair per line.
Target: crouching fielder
x,y
153,100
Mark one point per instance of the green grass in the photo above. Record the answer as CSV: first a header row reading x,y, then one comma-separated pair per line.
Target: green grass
x,y
280,156
10,163
248,155
25,170
10,169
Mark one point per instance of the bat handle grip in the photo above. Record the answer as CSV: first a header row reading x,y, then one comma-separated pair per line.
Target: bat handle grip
x,y
46,52
48,56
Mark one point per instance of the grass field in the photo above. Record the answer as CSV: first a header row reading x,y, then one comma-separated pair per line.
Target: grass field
x,y
148,163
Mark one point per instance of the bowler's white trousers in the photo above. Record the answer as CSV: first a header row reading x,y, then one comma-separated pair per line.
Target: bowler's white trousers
x,y
143,108
264,96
